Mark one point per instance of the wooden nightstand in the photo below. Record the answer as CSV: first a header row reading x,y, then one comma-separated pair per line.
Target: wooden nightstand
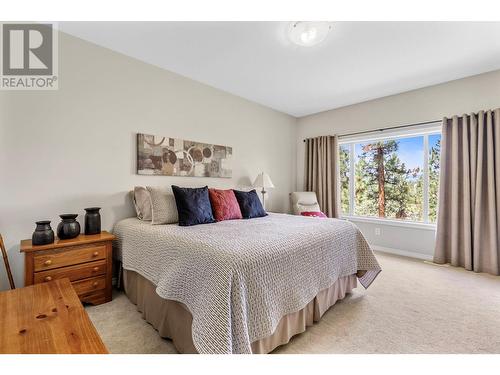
x,y
85,260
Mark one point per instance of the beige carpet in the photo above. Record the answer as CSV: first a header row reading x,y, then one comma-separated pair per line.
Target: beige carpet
x,y
412,307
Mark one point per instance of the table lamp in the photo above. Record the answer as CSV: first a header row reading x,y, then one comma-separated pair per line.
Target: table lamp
x,y
263,181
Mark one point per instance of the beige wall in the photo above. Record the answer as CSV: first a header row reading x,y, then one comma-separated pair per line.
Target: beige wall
x,y
65,150
429,103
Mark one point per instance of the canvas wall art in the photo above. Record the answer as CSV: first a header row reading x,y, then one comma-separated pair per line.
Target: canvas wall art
x,y
163,156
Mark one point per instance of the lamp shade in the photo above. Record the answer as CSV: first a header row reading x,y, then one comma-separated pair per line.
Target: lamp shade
x,y
263,181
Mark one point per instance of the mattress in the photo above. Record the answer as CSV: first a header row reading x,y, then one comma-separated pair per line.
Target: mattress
x,y
239,278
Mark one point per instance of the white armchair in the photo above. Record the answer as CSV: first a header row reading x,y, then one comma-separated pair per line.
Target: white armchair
x,y
303,201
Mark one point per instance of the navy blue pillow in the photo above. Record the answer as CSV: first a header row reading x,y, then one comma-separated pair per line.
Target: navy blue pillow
x,y
193,205
250,205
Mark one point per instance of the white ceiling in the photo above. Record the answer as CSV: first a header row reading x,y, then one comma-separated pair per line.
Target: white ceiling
x,y
358,61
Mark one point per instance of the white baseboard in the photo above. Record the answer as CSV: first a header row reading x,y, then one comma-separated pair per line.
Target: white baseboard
x,y
404,253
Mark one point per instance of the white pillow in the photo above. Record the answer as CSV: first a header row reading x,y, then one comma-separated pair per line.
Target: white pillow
x,y
163,206
142,203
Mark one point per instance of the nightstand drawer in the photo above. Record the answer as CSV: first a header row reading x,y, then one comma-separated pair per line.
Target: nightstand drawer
x,y
85,260
95,298
74,273
69,256
89,285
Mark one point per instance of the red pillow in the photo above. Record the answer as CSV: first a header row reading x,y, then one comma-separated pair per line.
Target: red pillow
x,y
224,205
314,214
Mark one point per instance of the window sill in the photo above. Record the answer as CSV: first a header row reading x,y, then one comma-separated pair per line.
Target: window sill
x,y
394,223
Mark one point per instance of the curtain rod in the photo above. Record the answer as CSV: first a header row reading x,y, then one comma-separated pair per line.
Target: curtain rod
x,y
383,129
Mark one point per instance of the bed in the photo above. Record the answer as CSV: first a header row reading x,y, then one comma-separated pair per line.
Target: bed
x,y
240,286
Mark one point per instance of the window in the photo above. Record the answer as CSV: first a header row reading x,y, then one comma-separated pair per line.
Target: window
x,y
394,177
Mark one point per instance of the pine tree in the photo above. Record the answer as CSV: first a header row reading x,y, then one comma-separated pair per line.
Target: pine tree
x,y
366,191
434,161
398,188
375,157
344,178
384,186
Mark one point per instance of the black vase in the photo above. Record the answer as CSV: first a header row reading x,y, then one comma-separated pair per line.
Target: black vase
x,y
43,234
92,220
68,227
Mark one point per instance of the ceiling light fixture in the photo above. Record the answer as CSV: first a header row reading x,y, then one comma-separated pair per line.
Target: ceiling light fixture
x,y
308,33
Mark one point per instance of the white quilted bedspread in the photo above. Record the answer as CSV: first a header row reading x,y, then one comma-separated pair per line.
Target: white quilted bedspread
x,y
240,277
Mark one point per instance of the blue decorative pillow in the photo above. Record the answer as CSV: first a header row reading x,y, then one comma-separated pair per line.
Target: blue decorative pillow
x,y
193,205
250,205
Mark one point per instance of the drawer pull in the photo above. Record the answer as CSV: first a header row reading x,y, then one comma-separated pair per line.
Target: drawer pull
x,y
47,262
48,278
95,254
95,269
95,284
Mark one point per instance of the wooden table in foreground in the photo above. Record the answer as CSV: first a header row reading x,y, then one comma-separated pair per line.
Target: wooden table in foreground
x,y
46,318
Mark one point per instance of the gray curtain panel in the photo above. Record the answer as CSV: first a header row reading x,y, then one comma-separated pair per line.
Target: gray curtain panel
x,y
469,199
321,174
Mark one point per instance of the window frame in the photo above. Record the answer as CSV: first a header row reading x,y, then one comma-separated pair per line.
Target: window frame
x,y
351,141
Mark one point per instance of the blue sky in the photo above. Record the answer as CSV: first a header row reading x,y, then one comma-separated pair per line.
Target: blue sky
x,y
411,150
433,139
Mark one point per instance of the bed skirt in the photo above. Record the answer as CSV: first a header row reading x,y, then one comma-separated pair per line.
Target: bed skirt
x,y
173,320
